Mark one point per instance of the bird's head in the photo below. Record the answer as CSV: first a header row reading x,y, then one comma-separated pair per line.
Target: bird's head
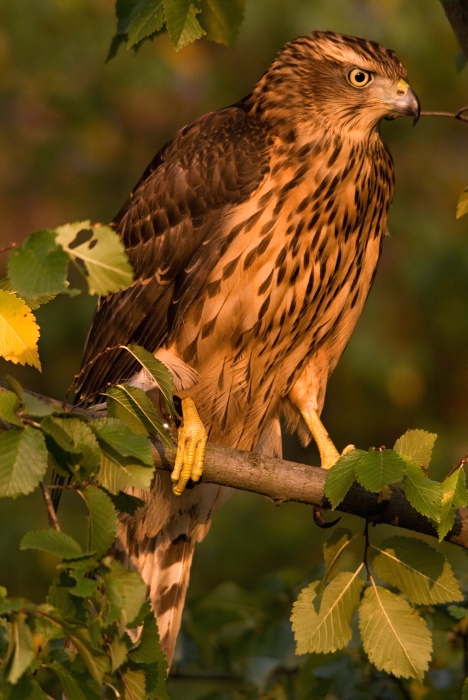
x,y
341,82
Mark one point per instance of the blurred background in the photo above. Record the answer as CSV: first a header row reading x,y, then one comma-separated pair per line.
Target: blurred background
x,y
77,132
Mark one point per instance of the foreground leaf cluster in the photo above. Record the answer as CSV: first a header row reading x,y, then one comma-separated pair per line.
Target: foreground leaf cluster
x,y
184,20
78,640
393,632
37,273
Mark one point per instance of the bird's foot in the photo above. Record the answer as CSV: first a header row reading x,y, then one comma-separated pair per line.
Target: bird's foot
x,y
329,455
191,447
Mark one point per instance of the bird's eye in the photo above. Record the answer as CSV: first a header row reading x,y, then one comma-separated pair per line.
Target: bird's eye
x,y
359,78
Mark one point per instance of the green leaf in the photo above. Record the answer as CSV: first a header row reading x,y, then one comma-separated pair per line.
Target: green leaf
x,y
34,406
25,689
423,493
221,20
75,438
13,385
182,23
457,611
417,446
330,628
134,407
465,690
102,253
158,371
462,204
19,331
103,520
146,18
125,502
334,547
9,406
417,569
20,653
395,638
114,476
135,684
378,468
454,495
23,461
76,686
120,438
39,266
148,648
125,590
341,476
54,542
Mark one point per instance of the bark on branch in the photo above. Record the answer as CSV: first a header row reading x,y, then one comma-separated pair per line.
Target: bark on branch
x,y
283,481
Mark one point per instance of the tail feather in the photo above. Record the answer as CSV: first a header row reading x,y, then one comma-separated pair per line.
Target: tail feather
x,y
159,542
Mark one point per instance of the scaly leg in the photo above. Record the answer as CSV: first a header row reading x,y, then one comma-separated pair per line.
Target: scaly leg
x,y
328,452
191,447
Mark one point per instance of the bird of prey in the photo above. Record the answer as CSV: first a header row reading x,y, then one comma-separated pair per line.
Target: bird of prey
x,y
254,235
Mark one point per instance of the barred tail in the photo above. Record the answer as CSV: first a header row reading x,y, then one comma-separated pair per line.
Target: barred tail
x,y
159,542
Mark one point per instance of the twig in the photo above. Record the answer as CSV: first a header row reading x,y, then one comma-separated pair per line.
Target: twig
x,y
50,507
8,247
461,115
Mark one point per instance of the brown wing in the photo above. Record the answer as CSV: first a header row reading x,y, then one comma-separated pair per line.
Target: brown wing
x,y
172,228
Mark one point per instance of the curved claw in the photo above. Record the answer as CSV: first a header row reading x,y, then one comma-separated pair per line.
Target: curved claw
x,y
191,446
321,522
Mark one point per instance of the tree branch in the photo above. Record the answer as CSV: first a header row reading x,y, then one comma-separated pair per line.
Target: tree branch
x,y
284,481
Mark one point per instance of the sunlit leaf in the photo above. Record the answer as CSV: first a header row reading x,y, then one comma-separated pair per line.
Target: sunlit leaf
x,y
462,204
102,253
330,628
423,494
417,446
23,461
135,684
334,546
341,476
417,569
54,542
454,495
378,468
395,638
39,266
182,23
19,331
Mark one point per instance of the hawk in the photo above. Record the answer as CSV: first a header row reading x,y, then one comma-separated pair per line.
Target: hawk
x,y
254,235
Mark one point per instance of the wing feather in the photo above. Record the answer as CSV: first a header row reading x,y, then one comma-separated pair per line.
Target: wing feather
x,y
173,228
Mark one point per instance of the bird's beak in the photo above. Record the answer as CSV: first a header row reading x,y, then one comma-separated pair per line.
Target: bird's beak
x,y
405,102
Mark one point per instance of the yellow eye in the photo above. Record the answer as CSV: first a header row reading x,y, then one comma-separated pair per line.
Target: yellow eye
x,y
359,78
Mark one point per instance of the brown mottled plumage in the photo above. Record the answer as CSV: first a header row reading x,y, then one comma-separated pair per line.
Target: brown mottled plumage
x,y
254,235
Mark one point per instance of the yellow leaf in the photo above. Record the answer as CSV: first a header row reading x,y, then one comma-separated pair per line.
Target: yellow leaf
x,y
19,331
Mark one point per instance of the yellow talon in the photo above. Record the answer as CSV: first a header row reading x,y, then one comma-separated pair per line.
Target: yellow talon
x,y
191,446
328,452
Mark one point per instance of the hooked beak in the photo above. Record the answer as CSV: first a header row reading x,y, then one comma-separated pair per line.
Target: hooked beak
x,y
405,103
